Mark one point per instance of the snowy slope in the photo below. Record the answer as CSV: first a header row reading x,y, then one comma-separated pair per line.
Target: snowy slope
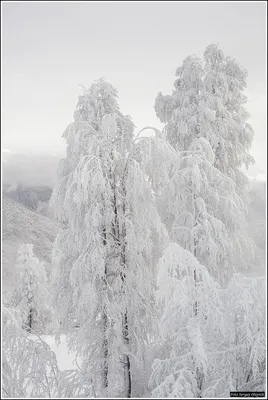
x,y
20,225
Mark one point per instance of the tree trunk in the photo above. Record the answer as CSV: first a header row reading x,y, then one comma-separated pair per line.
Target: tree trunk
x,y
127,373
119,236
30,320
104,329
105,349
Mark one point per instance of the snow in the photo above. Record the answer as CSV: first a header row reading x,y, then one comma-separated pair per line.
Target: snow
x,y
146,273
20,226
65,358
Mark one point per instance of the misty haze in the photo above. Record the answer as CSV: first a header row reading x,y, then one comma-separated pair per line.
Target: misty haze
x,y
134,199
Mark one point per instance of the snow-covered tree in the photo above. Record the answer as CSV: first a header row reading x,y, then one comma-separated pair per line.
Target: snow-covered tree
x,y
30,293
104,258
29,367
213,340
209,101
224,85
239,359
203,206
191,116
192,202
244,299
192,325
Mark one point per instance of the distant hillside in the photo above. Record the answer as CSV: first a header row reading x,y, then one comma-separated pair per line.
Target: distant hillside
x,y
29,196
20,225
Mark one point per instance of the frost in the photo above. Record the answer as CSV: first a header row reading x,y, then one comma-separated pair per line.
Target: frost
x,y
104,258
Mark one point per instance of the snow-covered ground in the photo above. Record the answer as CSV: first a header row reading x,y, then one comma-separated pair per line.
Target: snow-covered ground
x,y
65,358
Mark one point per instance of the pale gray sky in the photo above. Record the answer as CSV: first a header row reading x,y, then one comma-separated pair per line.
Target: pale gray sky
x,y
48,49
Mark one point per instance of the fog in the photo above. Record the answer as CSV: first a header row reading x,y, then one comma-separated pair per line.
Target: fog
x,y
50,48
29,170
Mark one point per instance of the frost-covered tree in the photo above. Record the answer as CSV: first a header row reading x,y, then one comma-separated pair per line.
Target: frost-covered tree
x,y
29,367
209,101
30,293
104,258
190,115
244,299
192,202
239,359
213,340
192,325
224,85
203,206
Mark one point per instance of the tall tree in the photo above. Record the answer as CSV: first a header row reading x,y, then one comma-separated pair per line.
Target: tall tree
x,y
104,257
203,206
189,114
224,92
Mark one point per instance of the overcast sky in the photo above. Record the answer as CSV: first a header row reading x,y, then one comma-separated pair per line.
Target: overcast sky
x,y
48,49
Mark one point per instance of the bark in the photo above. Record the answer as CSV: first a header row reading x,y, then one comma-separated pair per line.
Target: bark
x,y
30,320
126,357
119,236
105,349
104,329
127,374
